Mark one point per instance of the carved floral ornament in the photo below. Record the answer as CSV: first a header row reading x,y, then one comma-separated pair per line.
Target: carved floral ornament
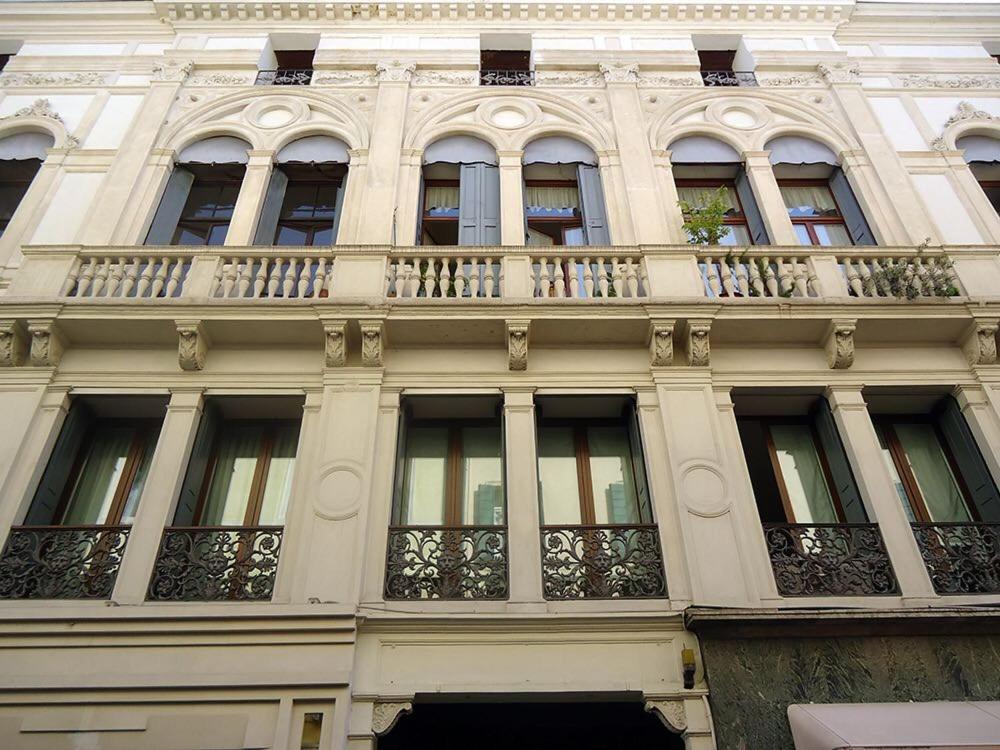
x,y
395,70
192,345
336,343
172,70
839,344
671,713
372,343
950,82
966,112
42,109
980,343
385,715
52,79
620,73
517,344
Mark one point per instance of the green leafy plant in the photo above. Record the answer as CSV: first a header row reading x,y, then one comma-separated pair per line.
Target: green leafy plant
x,y
704,220
896,278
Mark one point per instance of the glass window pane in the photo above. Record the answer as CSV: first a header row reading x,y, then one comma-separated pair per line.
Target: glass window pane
x,y
612,482
737,234
139,482
100,473
894,472
557,476
832,235
201,201
803,474
217,234
424,476
802,233
556,201
700,196
931,469
809,200
482,476
574,237
232,476
323,236
299,202
278,485
226,201
290,235
190,234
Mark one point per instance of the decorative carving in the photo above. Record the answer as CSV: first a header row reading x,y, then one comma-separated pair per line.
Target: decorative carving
x,y
802,79
456,562
950,82
444,78
589,80
839,344
620,73
395,70
698,350
671,713
345,78
647,80
46,344
172,70
980,342
967,111
840,72
939,144
219,79
517,345
372,343
661,343
13,343
38,108
336,343
192,345
385,715
52,79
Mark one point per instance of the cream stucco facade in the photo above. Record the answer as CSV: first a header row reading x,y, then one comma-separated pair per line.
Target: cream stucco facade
x,y
123,87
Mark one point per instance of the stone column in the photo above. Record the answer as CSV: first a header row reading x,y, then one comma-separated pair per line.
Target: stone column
x,y
511,198
850,412
246,212
408,197
29,212
523,513
383,154
159,496
769,200
668,190
641,194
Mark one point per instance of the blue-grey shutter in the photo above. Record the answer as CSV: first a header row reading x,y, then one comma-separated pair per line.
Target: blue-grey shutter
x,y
267,225
64,454
198,465
490,197
840,469
644,501
595,214
161,231
479,204
854,217
755,222
338,206
970,461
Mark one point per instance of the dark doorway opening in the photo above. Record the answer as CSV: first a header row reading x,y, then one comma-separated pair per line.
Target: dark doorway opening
x,y
624,725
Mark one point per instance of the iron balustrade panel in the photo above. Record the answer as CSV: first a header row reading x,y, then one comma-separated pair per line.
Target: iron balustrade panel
x,y
842,559
447,562
506,78
283,77
961,558
727,78
602,562
61,562
216,563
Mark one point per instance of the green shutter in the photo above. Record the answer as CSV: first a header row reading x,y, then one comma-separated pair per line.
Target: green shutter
x,y
57,471
175,195
267,225
970,461
755,221
850,209
643,499
198,464
840,467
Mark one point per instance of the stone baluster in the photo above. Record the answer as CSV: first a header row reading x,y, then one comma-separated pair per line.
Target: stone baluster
x,y
741,278
756,282
867,281
274,278
131,276
602,277
260,279
160,278
588,278
243,274
175,278
770,280
229,278
543,278
101,278
643,278
388,288
69,287
288,282
726,277
488,284
413,282
712,274
799,278
305,277
319,282
459,281
444,280
475,280
574,279
616,278
560,282
631,278
115,277
146,277
784,276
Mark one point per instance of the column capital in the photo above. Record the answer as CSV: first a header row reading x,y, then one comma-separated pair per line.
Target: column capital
x,y
518,397
185,399
847,397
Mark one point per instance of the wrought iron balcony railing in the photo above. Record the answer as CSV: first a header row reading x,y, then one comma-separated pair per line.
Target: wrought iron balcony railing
x,y
961,558
61,562
446,562
506,78
284,77
216,563
602,562
728,78
845,559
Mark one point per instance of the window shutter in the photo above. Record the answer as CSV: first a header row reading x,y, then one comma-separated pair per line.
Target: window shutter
x,y
338,206
490,211
198,464
755,222
645,503
161,231
419,240
595,219
854,217
267,225
840,469
397,492
479,205
970,461
61,462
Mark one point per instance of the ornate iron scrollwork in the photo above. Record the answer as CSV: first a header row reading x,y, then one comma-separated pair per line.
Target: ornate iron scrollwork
x,y
727,78
446,562
61,562
506,78
284,77
216,563
602,562
846,559
961,558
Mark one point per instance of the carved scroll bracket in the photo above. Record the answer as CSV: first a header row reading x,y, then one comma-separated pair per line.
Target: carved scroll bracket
x,y
517,344
46,347
697,344
336,342
671,713
372,342
192,345
661,343
839,343
980,341
385,715
13,343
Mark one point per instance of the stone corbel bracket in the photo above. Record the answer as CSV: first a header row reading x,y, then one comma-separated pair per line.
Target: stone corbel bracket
x,y
192,345
47,345
385,715
372,342
517,344
696,342
336,342
980,341
671,712
661,343
839,343
13,343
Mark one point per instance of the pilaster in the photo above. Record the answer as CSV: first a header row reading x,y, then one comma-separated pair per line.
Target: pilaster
x,y
246,212
772,206
523,513
511,198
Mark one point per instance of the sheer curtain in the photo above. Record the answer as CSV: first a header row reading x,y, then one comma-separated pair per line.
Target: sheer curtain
x,y
611,476
552,197
441,197
424,476
482,476
99,476
699,196
930,467
281,469
808,200
803,475
558,490
232,477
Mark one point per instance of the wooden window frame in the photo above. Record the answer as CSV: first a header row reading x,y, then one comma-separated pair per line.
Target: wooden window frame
x,y
983,185
310,225
255,499
564,223
426,218
810,223
886,423
779,478
739,220
207,224
17,182
142,440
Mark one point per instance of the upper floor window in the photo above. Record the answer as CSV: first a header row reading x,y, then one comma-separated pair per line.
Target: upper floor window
x,y
197,204
817,194
982,153
21,156
505,60
563,196
287,60
460,193
724,60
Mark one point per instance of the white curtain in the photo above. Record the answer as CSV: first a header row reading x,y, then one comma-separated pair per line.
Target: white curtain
x,y
699,196
99,477
280,470
235,464
552,197
808,200
930,468
803,474
440,197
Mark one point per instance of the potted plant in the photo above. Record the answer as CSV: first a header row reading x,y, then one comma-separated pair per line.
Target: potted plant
x,y
705,220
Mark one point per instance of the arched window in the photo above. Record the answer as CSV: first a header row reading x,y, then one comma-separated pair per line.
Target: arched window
x,y
459,193
21,156
703,166
305,194
197,204
982,153
816,192
563,197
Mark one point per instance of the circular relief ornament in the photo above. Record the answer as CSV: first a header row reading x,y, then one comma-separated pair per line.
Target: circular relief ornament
x,y
276,112
339,494
704,490
508,114
740,114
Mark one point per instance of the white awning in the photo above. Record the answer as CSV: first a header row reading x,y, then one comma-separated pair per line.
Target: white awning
x,y
314,149
980,148
794,149
25,146
223,149
871,726
460,149
700,149
558,149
